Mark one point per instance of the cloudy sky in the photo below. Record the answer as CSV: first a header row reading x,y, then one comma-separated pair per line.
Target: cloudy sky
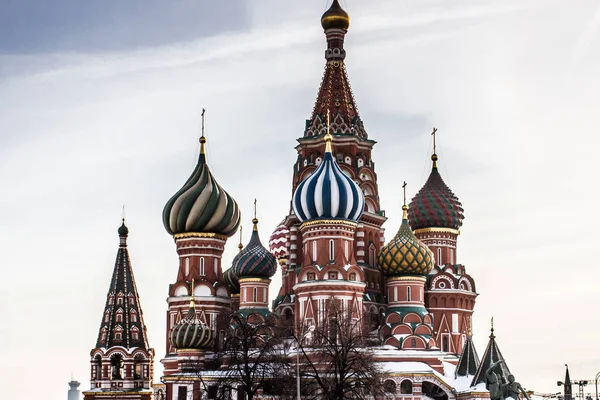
x,y
100,106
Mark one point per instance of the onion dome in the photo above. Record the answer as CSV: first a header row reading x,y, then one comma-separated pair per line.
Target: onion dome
x,y
278,241
435,206
190,332
123,229
201,205
232,280
328,193
405,254
254,260
335,17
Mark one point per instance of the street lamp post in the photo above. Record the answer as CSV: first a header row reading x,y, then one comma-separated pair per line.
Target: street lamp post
x,y
310,329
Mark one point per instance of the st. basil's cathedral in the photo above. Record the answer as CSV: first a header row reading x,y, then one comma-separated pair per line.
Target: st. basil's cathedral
x,y
411,294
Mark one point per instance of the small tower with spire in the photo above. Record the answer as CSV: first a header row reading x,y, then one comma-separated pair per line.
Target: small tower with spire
x,y
254,266
122,361
491,355
406,261
435,215
328,205
335,119
201,216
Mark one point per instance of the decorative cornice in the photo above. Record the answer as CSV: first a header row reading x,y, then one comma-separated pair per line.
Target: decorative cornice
x,y
248,280
329,222
442,230
202,235
407,278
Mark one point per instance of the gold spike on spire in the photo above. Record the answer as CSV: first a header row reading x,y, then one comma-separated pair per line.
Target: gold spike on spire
x,y
202,138
434,156
192,297
404,207
492,336
255,220
328,137
240,246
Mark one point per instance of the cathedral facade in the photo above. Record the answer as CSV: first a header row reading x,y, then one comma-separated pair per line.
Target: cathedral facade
x,y
410,292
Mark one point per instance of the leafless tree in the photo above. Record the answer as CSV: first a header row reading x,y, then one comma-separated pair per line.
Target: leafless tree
x,y
336,362
255,358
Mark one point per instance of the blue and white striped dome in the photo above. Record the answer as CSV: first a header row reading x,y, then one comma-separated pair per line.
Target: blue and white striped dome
x,y
328,193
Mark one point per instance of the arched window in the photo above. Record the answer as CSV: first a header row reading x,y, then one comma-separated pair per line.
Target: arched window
x,y
406,387
116,366
413,343
216,267
187,266
331,250
408,293
201,266
254,295
314,246
133,315
389,386
346,249
439,256
372,253
445,344
359,162
138,370
97,368
452,256
353,276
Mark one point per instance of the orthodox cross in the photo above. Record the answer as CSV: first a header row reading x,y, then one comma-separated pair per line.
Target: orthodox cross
x,y
433,134
240,246
492,330
203,111
254,208
404,189
328,137
192,299
123,213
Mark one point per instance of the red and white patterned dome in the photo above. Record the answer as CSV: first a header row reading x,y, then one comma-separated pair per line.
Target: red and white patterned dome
x,y
278,241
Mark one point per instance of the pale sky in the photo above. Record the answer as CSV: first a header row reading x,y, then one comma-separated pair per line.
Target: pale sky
x,y
100,106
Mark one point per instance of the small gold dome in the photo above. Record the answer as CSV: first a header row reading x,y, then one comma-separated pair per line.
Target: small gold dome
x,y
335,17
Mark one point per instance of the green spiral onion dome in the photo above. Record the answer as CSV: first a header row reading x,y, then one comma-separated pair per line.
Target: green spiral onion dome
x,y
254,260
231,279
335,17
405,254
201,205
435,206
190,332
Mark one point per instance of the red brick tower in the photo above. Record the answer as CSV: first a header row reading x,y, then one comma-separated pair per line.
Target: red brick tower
x,y
406,261
435,215
122,361
335,110
201,216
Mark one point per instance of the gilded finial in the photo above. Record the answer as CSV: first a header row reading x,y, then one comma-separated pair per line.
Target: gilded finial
x,y
240,246
404,207
255,220
434,156
192,299
328,137
123,213
492,336
202,138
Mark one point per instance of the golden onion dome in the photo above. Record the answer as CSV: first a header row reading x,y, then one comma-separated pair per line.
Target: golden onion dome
x,y
405,254
335,17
